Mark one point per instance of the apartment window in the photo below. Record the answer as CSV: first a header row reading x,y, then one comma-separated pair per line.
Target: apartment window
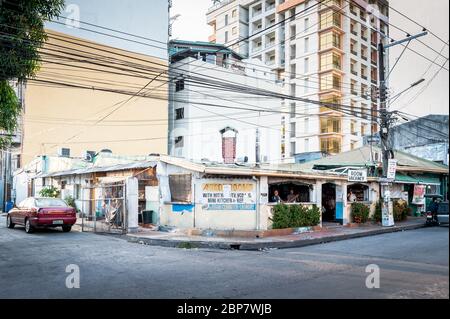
x,y
353,128
364,33
353,48
333,99
306,45
330,19
364,52
364,111
226,36
179,141
353,87
234,13
364,72
363,129
330,60
234,30
364,91
179,113
306,85
330,81
353,27
293,129
353,65
306,24
330,125
293,71
330,145
179,85
329,40
306,124
306,65
226,19
293,149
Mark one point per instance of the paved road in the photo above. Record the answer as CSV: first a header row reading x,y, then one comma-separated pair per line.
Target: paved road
x,y
413,264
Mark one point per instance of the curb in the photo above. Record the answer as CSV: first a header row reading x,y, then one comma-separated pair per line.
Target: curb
x,y
265,245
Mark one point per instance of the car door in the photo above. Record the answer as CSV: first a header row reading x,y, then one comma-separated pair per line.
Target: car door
x,y
24,210
16,213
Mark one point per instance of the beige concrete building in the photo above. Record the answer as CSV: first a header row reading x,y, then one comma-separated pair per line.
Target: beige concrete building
x,y
69,107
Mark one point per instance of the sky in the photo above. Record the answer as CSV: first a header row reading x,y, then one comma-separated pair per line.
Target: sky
x,y
433,14
145,18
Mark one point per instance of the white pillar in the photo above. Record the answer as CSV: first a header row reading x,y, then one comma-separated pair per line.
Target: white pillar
x,y
132,186
318,197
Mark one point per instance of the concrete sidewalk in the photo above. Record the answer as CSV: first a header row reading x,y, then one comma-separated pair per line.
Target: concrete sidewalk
x,y
181,240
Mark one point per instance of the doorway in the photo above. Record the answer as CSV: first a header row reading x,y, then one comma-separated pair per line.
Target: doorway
x,y
329,202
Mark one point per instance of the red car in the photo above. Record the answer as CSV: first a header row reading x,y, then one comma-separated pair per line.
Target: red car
x,y
42,213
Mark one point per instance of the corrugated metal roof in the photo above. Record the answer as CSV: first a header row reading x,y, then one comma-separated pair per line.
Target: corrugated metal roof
x,y
119,167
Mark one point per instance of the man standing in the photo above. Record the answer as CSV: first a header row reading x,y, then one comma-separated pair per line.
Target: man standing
x,y
276,197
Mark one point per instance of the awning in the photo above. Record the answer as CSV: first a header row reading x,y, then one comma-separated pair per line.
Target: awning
x,y
417,179
429,180
112,179
405,179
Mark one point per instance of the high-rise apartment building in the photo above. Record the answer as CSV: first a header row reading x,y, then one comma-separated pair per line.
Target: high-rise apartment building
x,y
323,51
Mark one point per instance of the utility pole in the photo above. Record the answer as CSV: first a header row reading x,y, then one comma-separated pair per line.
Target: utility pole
x,y
385,115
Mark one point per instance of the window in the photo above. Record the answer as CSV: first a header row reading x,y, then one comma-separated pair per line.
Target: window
x,y
330,60
306,24
353,128
226,19
293,149
50,202
330,125
306,85
306,66
234,30
179,85
329,40
179,142
180,186
330,19
306,124
330,145
330,81
306,45
179,114
234,13
226,36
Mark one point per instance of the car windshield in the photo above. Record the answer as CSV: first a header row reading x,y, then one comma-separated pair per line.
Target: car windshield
x,y
50,202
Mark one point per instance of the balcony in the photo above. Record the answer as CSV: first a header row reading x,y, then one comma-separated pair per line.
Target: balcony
x,y
288,5
212,38
330,4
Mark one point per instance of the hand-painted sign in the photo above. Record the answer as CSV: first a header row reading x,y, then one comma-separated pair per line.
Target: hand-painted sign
x,y
235,196
359,175
392,169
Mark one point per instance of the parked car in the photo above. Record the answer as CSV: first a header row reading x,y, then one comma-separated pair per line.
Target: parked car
x,y
36,212
437,213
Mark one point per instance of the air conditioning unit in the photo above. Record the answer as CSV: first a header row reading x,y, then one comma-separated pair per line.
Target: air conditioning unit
x,y
64,152
89,156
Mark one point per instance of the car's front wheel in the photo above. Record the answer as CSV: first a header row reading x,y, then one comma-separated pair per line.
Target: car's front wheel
x,y
9,223
28,227
66,229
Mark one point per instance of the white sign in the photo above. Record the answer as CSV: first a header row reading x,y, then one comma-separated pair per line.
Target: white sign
x,y
359,175
392,169
388,214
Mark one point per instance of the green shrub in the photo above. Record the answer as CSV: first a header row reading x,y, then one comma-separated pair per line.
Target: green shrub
x,y
401,210
360,213
50,191
377,216
294,216
71,202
